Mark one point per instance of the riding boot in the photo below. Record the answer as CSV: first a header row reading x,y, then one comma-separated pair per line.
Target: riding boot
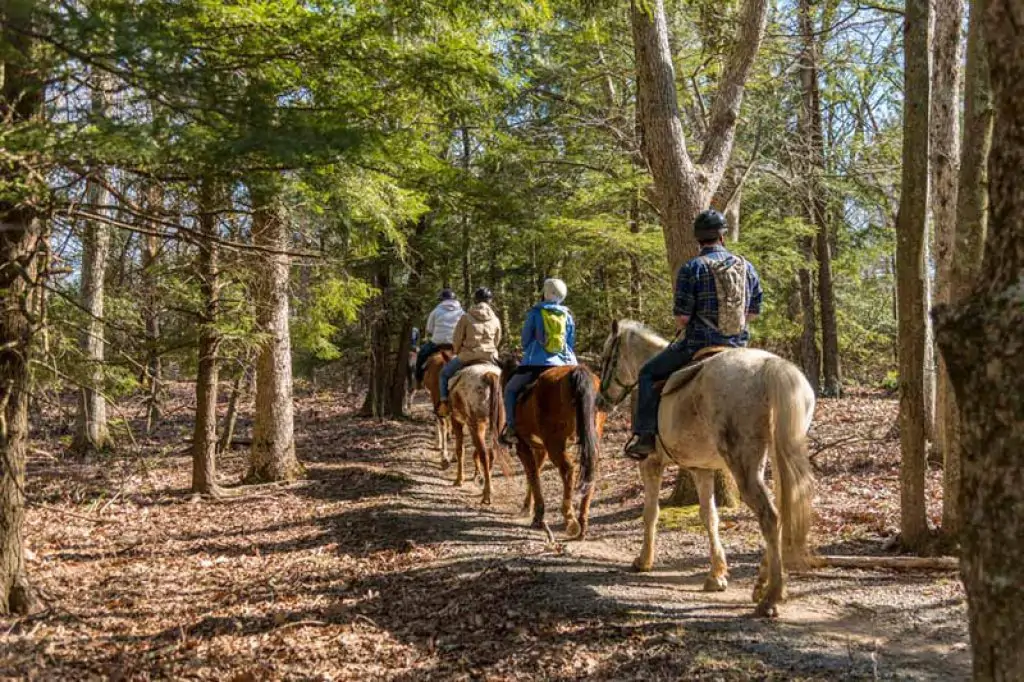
x,y
640,446
442,409
508,436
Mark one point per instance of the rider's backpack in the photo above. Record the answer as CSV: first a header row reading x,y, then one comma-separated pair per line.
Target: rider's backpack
x,y
731,291
556,326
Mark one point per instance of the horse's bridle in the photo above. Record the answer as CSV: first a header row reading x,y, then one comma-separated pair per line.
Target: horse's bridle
x,y
611,368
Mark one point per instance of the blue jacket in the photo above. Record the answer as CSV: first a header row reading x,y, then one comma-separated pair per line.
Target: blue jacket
x,y
534,354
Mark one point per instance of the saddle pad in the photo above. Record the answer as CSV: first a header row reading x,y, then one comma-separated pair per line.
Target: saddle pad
x,y
483,367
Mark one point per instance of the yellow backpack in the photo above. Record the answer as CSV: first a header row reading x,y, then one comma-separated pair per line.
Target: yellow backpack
x,y
556,328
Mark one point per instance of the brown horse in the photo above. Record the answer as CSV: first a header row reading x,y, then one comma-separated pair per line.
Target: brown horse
x,y
432,380
562,405
478,407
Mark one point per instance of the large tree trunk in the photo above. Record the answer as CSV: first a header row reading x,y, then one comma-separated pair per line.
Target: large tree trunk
x,y
910,273
21,99
816,203
684,188
204,437
969,236
91,434
273,435
982,340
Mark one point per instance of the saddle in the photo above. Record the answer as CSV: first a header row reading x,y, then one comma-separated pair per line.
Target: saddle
x,y
684,375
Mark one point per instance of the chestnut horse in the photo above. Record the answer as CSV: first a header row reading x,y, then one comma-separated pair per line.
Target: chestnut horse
x,y
432,381
478,407
561,405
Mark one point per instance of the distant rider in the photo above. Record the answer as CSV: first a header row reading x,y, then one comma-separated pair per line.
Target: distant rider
x,y
717,294
440,329
476,339
549,339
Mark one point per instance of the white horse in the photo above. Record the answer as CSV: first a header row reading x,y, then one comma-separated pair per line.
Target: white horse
x,y
733,410
476,401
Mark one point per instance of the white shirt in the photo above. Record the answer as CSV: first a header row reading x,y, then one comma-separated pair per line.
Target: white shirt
x,y
442,320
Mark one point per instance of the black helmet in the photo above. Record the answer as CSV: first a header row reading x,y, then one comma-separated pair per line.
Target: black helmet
x,y
483,295
709,225
446,295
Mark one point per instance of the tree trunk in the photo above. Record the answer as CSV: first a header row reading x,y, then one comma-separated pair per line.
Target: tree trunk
x,y
21,99
684,188
684,493
810,360
91,433
204,437
813,156
982,340
238,386
151,314
969,237
945,162
273,432
467,282
377,394
910,273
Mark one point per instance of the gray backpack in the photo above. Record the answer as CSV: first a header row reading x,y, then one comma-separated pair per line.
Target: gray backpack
x,y
731,292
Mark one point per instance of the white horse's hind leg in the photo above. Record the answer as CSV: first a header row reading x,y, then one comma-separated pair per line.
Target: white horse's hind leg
x,y
770,592
650,470
717,579
442,441
459,469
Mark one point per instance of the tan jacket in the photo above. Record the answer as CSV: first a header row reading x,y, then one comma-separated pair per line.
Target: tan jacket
x,y
477,335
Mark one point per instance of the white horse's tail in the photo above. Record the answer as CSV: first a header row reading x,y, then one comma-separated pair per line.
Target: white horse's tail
x,y
792,403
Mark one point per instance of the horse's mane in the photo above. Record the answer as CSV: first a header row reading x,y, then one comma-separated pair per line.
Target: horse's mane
x,y
640,329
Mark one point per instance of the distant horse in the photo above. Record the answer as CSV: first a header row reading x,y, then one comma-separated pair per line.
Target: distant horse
x,y
733,410
476,400
432,380
562,405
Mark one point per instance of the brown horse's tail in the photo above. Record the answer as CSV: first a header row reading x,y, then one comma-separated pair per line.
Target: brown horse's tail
x,y
496,409
584,396
792,402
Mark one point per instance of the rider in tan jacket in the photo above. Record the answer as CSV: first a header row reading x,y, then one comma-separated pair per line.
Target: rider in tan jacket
x,y
476,339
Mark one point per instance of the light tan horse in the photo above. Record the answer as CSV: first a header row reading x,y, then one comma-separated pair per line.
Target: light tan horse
x,y
733,410
477,406
432,381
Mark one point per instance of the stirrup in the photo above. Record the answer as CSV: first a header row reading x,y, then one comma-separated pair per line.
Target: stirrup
x,y
442,409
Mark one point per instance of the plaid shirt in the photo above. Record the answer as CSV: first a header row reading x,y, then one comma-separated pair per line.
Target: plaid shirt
x,y
695,297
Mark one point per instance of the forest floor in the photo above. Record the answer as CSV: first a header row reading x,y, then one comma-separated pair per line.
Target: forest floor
x,y
375,567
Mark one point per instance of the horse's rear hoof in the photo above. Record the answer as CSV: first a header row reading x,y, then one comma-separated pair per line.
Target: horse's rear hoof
x,y
640,567
538,524
572,528
445,464
715,583
766,610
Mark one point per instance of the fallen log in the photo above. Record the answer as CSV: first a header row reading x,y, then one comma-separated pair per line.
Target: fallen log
x,y
895,563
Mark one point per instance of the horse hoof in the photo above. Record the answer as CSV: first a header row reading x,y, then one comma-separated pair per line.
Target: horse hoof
x,y
715,583
766,610
445,464
538,524
457,483
486,502
640,566
572,528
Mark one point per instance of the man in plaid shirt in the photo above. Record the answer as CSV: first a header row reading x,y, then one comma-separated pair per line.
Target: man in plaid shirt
x,y
696,312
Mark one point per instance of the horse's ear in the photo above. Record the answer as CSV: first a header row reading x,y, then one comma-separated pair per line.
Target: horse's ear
x,y
615,327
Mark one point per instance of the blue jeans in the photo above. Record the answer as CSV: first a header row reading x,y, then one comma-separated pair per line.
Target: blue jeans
x,y
523,376
658,368
425,351
450,370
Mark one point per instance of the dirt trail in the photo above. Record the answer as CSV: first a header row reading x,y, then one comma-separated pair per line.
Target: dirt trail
x,y
377,568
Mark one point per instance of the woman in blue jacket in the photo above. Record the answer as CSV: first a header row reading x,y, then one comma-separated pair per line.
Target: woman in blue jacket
x,y
548,340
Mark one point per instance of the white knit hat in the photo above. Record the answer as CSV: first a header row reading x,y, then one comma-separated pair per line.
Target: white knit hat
x,y
555,290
